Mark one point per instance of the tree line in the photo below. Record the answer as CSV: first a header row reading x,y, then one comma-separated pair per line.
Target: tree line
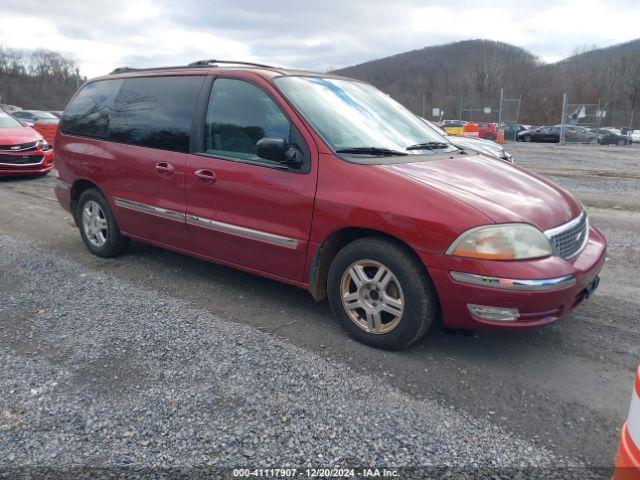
x,y
38,79
467,76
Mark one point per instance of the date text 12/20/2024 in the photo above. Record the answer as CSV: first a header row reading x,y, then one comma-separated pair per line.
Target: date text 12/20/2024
x,y
315,472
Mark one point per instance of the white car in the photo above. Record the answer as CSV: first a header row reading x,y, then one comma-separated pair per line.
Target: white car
x,y
635,136
479,145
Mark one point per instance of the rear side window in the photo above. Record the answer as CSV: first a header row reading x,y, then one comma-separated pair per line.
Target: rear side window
x,y
239,115
155,112
88,113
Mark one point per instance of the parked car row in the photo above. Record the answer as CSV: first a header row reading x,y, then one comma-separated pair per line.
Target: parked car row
x,y
575,133
546,133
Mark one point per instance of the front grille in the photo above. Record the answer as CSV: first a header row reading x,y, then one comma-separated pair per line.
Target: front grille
x,y
20,159
569,239
19,147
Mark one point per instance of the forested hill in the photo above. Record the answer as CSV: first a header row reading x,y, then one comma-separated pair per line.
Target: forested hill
x,y
472,72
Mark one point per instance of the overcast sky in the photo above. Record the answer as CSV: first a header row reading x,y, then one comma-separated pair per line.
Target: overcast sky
x,y
311,34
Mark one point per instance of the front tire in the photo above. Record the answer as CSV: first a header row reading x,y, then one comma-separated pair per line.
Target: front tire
x,y
527,138
98,227
381,293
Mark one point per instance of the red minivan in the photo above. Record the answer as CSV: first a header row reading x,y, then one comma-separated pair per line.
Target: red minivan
x,y
328,184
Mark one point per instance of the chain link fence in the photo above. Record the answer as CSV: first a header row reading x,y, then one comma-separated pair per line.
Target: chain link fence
x,y
595,123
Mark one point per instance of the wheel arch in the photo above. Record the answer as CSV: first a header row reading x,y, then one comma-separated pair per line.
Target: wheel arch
x,y
331,245
77,189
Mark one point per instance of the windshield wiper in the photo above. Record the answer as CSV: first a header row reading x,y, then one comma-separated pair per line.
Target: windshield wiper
x,y
380,152
428,146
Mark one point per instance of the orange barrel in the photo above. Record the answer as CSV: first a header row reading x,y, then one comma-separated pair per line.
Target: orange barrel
x,y
471,129
628,459
500,138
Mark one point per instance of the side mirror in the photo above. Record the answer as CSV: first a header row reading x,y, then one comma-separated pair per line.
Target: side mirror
x,y
278,150
274,149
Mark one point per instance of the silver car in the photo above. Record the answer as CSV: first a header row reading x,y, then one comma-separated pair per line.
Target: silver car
x,y
479,145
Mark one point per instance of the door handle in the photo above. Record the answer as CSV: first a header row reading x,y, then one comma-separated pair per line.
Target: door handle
x,y
205,176
165,169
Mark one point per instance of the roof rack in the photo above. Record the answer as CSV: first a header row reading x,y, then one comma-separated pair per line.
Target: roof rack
x,y
208,63
198,64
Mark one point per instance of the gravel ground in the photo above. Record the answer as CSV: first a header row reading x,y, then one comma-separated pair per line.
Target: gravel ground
x,y
607,175
101,372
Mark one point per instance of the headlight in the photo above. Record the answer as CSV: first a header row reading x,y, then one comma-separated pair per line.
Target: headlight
x,y
511,241
43,145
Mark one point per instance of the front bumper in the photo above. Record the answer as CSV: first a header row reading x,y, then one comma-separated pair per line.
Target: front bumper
x,y
40,166
550,287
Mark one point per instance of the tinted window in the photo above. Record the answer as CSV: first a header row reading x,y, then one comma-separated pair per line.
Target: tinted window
x,y
155,112
88,113
240,114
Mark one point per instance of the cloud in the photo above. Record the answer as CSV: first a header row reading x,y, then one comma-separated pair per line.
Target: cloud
x,y
304,34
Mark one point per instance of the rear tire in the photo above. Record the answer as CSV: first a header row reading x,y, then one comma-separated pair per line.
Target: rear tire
x,y
621,142
405,303
489,136
98,227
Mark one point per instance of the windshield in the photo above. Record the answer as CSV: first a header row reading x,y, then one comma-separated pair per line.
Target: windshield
x,y
435,127
7,121
352,115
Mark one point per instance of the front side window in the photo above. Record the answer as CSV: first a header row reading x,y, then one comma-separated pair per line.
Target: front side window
x,y
155,112
352,115
238,116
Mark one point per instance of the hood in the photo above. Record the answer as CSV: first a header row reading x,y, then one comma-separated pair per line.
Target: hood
x,y
501,191
17,135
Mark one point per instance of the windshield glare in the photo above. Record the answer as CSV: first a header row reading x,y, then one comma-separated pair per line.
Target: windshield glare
x,y
7,121
350,114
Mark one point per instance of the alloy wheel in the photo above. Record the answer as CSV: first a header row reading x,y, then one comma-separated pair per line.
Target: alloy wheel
x,y
94,223
372,296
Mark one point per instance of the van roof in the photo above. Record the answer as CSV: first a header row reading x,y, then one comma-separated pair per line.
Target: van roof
x,y
213,65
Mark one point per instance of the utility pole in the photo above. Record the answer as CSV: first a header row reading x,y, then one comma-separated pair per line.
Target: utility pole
x,y
564,118
424,106
500,109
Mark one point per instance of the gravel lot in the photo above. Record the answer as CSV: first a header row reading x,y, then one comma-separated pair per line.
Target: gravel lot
x,y
157,359
115,374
